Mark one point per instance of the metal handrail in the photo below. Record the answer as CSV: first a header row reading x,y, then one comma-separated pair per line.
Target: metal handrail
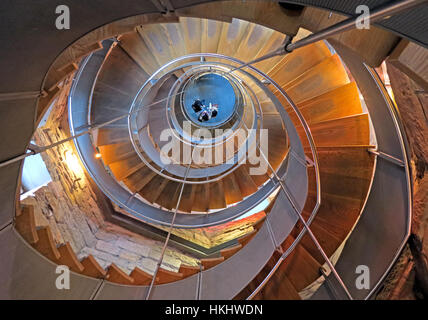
x,y
136,147
210,65
315,157
184,140
404,148
316,163
264,76
282,92
318,186
167,238
136,207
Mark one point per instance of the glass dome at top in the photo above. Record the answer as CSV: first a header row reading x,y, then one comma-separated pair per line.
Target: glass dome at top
x,y
214,89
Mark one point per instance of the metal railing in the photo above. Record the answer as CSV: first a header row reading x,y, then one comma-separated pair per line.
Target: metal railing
x,y
213,173
258,77
116,192
346,25
297,210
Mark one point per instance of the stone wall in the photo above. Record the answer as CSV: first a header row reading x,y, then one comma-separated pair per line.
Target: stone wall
x,y
213,236
70,207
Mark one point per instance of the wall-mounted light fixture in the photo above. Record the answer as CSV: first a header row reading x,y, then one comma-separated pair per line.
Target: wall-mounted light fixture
x,y
73,163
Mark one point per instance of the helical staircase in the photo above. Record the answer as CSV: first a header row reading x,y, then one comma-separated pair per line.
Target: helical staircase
x,y
301,116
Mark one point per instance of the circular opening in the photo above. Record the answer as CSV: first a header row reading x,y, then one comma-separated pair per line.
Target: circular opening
x,y
209,100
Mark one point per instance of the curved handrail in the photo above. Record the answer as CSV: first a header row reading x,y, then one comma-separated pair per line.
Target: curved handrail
x,y
133,206
405,149
217,177
314,154
391,140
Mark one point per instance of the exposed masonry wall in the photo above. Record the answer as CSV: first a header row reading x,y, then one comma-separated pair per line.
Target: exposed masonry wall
x,y
214,236
69,206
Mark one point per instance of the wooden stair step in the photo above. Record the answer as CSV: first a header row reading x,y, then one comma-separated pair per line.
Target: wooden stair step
x,y
111,135
25,224
351,161
298,62
116,152
352,130
154,188
210,35
217,198
92,268
166,276
192,33
117,275
260,179
187,198
268,107
337,214
169,195
341,185
208,263
176,38
109,103
325,76
274,42
121,72
328,241
254,40
337,103
264,272
46,244
139,179
246,184
141,278
135,46
124,168
302,269
230,251
188,271
286,291
232,191
201,198
231,37
156,38
69,258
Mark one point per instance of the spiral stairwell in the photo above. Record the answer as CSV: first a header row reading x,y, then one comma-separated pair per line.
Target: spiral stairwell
x,y
321,154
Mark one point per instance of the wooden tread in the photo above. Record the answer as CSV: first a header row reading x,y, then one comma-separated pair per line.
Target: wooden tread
x,y
69,258
25,224
188,271
141,277
166,276
228,252
117,275
46,244
211,262
92,268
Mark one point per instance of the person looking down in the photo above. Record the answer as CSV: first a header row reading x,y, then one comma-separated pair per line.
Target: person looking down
x,y
204,116
197,105
213,109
